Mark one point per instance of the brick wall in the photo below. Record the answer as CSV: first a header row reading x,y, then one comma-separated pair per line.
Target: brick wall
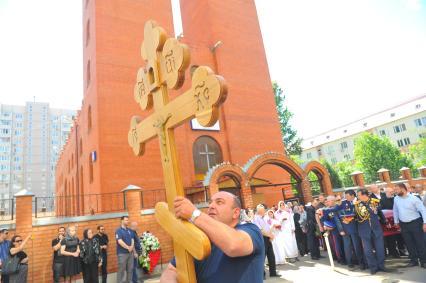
x,y
40,252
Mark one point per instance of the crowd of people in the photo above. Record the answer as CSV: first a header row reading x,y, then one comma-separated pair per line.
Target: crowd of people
x,y
72,256
352,223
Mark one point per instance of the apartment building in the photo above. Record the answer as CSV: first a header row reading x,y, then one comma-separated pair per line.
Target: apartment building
x,y
403,124
31,138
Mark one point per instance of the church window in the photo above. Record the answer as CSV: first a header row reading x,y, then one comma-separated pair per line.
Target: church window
x,y
87,32
206,153
88,74
90,169
89,118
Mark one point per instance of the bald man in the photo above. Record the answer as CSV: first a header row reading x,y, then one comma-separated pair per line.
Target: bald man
x,y
237,253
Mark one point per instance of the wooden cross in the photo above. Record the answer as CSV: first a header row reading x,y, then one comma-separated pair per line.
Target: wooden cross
x,y
166,61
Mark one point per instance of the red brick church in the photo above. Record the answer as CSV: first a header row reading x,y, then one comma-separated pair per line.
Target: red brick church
x,y
224,35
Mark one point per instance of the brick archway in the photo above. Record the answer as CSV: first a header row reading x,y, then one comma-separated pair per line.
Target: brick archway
x,y
236,173
322,173
281,160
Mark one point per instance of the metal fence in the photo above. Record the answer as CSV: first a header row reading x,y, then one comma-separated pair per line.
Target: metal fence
x,y
79,205
149,197
7,209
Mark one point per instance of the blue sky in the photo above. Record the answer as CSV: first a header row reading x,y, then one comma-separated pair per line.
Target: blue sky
x,y
336,60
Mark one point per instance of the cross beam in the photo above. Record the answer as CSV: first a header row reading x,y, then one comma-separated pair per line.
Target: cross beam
x,y
166,61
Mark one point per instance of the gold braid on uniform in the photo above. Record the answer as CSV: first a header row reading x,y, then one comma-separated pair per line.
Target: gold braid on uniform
x,y
362,212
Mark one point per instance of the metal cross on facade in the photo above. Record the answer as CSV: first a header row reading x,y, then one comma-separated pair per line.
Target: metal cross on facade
x,y
207,153
166,61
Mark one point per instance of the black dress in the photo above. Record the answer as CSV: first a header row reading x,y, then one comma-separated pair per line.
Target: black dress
x,y
90,253
301,238
21,275
72,264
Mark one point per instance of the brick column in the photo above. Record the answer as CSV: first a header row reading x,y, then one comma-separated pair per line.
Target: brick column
x,y
306,190
384,176
24,211
132,196
358,178
422,171
406,175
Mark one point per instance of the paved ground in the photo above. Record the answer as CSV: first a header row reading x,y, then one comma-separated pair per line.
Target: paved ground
x,y
320,271
307,270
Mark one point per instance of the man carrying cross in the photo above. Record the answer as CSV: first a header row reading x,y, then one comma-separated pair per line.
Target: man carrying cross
x,y
237,251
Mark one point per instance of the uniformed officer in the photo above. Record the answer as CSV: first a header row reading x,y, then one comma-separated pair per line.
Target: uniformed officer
x,y
351,240
369,215
330,222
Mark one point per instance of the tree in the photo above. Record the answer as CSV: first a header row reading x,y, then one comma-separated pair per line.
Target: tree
x,y
418,152
336,182
373,152
344,170
291,141
297,159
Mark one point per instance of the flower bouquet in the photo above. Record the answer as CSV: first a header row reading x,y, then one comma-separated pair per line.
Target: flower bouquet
x,y
151,252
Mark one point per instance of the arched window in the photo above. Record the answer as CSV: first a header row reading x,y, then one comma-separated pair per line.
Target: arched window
x,y
90,169
87,32
89,118
81,180
206,153
88,74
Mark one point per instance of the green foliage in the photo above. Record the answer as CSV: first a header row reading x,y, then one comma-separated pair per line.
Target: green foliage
x,y
344,169
315,184
297,159
418,152
336,182
291,141
373,152
149,244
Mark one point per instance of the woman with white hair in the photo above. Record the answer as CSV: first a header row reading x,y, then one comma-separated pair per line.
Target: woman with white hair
x,y
287,237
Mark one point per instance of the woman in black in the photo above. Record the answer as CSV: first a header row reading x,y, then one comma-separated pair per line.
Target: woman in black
x,y
71,252
301,238
91,259
16,249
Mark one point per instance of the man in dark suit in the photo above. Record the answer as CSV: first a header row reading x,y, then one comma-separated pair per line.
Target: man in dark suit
x,y
392,241
369,217
375,192
349,226
313,242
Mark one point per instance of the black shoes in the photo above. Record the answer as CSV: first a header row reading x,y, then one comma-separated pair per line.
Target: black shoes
x,y
384,269
411,264
402,253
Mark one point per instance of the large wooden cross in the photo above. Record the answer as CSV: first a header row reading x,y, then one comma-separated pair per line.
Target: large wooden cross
x,y
166,61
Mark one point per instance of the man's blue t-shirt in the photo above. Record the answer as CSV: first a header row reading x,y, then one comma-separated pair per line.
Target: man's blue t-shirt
x,y
4,250
220,268
126,235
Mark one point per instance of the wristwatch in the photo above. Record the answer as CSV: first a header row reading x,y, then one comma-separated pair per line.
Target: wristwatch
x,y
194,215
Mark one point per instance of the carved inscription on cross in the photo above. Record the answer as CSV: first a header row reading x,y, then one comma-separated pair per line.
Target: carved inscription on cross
x,y
166,61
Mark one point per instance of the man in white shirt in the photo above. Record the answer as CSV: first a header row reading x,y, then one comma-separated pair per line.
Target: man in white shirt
x,y
410,214
264,227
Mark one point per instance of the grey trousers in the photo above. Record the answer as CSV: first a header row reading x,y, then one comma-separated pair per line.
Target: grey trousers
x,y
125,268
